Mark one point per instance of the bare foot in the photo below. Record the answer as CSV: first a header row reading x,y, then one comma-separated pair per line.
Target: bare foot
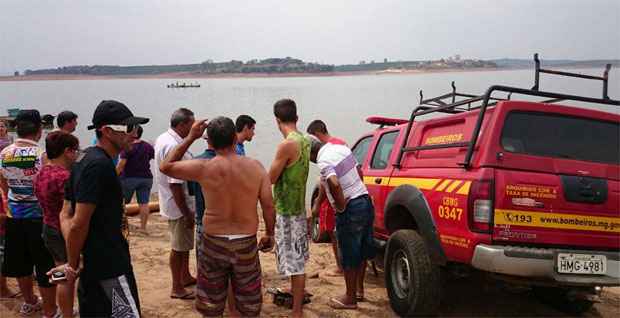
x,y
342,302
189,282
7,293
334,272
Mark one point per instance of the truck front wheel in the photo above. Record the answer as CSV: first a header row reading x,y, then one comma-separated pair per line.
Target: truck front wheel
x,y
411,279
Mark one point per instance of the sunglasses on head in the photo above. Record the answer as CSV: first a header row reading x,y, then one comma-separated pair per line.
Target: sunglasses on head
x,y
121,128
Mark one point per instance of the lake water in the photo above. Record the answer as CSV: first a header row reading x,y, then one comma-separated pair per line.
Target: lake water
x,y
343,102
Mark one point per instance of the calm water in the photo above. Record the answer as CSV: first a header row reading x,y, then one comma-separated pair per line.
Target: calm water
x,y
342,102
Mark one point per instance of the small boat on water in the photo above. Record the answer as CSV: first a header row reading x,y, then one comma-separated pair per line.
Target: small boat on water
x,y
183,85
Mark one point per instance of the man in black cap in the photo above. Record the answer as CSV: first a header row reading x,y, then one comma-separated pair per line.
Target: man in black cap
x,y
24,248
91,220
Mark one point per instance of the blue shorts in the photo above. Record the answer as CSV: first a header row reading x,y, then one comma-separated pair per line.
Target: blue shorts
x,y
141,186
354,231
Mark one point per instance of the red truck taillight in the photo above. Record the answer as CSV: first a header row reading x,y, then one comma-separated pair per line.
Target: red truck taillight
x,y
480,206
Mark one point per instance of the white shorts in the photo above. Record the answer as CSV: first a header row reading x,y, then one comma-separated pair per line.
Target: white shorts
x,y
291,244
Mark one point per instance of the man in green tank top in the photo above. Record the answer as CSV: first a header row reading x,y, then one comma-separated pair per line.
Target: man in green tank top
x,y
289,173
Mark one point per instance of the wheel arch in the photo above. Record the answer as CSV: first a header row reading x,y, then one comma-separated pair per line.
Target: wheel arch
x,y
407,208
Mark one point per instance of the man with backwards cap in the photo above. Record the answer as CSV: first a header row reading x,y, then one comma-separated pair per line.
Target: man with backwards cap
x,y
91,220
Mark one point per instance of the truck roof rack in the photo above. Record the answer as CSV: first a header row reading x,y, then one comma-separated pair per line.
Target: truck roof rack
x,y
459,100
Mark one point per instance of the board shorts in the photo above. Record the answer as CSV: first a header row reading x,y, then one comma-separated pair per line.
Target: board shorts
x,y
114,297
55,243
223,260
141,186
181,237
24,251
292,249
354,230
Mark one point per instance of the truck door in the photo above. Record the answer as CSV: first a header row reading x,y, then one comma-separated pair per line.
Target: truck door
x,y
377,175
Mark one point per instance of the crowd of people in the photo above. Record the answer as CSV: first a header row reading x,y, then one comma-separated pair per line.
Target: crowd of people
x,y
63,222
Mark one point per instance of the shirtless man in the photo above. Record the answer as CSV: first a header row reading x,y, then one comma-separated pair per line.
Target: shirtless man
x,y
229,245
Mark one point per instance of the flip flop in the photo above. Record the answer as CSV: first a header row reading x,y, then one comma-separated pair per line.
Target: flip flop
x,y
190,295
337,304
11,296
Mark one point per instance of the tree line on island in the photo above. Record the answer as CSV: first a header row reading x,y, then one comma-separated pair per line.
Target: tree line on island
x,y
293,65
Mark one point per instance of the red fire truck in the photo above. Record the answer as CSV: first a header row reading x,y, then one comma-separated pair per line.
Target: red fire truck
x,y
527,190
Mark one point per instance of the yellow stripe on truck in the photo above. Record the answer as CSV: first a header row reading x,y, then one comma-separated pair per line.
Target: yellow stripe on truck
x,y
443,185
420,183
557,221
453,186
464,190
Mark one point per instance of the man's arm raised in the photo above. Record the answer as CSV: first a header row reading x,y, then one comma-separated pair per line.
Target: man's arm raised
x,y
187,169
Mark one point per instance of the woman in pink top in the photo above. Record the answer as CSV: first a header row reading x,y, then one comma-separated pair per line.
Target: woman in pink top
x,y
62,151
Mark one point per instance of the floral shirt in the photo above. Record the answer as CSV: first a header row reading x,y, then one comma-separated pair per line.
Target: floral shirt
x,y
49,187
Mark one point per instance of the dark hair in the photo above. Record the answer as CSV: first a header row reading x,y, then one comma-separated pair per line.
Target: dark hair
x,y
221,132
317,126
98,134
315,146
243,121
27,128
181,115
139,131
57,141
285,110
65,117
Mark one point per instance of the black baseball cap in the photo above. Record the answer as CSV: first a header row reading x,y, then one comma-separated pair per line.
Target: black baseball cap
x,y
28,115
111,112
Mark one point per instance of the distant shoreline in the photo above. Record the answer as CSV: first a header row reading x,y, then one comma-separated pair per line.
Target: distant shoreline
x,y
191,75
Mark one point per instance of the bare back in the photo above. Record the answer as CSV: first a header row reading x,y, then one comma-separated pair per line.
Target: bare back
x,y
231,186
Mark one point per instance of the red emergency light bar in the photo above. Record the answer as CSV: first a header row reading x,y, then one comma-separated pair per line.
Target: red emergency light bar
x,y
385,121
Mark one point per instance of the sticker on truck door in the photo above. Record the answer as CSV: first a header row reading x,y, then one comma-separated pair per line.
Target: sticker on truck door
x,y
556,221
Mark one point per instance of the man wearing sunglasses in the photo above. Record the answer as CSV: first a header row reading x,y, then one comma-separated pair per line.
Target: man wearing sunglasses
x,y
93,211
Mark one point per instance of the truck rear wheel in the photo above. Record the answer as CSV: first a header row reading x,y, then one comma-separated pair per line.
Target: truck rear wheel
x,y
411,279
560,298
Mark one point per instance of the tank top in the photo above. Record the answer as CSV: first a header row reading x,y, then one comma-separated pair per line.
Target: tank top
x,y
290,190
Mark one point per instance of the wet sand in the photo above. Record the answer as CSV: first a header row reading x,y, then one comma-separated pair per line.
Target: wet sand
x,y
470,297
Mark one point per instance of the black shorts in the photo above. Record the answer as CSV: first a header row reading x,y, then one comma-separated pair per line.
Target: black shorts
x,y
114,297
55,244
24,251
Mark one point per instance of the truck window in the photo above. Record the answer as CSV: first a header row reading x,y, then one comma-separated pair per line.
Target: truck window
x,y
552,135
361,149
384,148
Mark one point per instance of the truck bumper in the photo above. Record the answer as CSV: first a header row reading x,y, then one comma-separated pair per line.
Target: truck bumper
x,y
541,263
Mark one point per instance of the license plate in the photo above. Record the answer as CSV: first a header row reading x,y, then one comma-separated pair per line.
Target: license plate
x,y
581,264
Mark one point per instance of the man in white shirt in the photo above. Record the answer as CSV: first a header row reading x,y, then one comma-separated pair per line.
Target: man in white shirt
x,y
354,216
176,204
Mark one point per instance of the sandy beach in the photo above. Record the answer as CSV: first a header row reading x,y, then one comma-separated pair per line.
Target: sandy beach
x,y
469,297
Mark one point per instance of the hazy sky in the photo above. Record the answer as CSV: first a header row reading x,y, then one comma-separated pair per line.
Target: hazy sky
x,y
49,33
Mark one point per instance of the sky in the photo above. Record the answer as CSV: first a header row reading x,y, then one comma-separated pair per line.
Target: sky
x,y
49,33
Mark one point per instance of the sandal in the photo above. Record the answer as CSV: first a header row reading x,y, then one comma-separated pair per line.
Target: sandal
x,y
28,309
337,304
190,295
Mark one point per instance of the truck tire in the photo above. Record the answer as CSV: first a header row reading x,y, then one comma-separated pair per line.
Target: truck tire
x,y
560,299
412,281
317,235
